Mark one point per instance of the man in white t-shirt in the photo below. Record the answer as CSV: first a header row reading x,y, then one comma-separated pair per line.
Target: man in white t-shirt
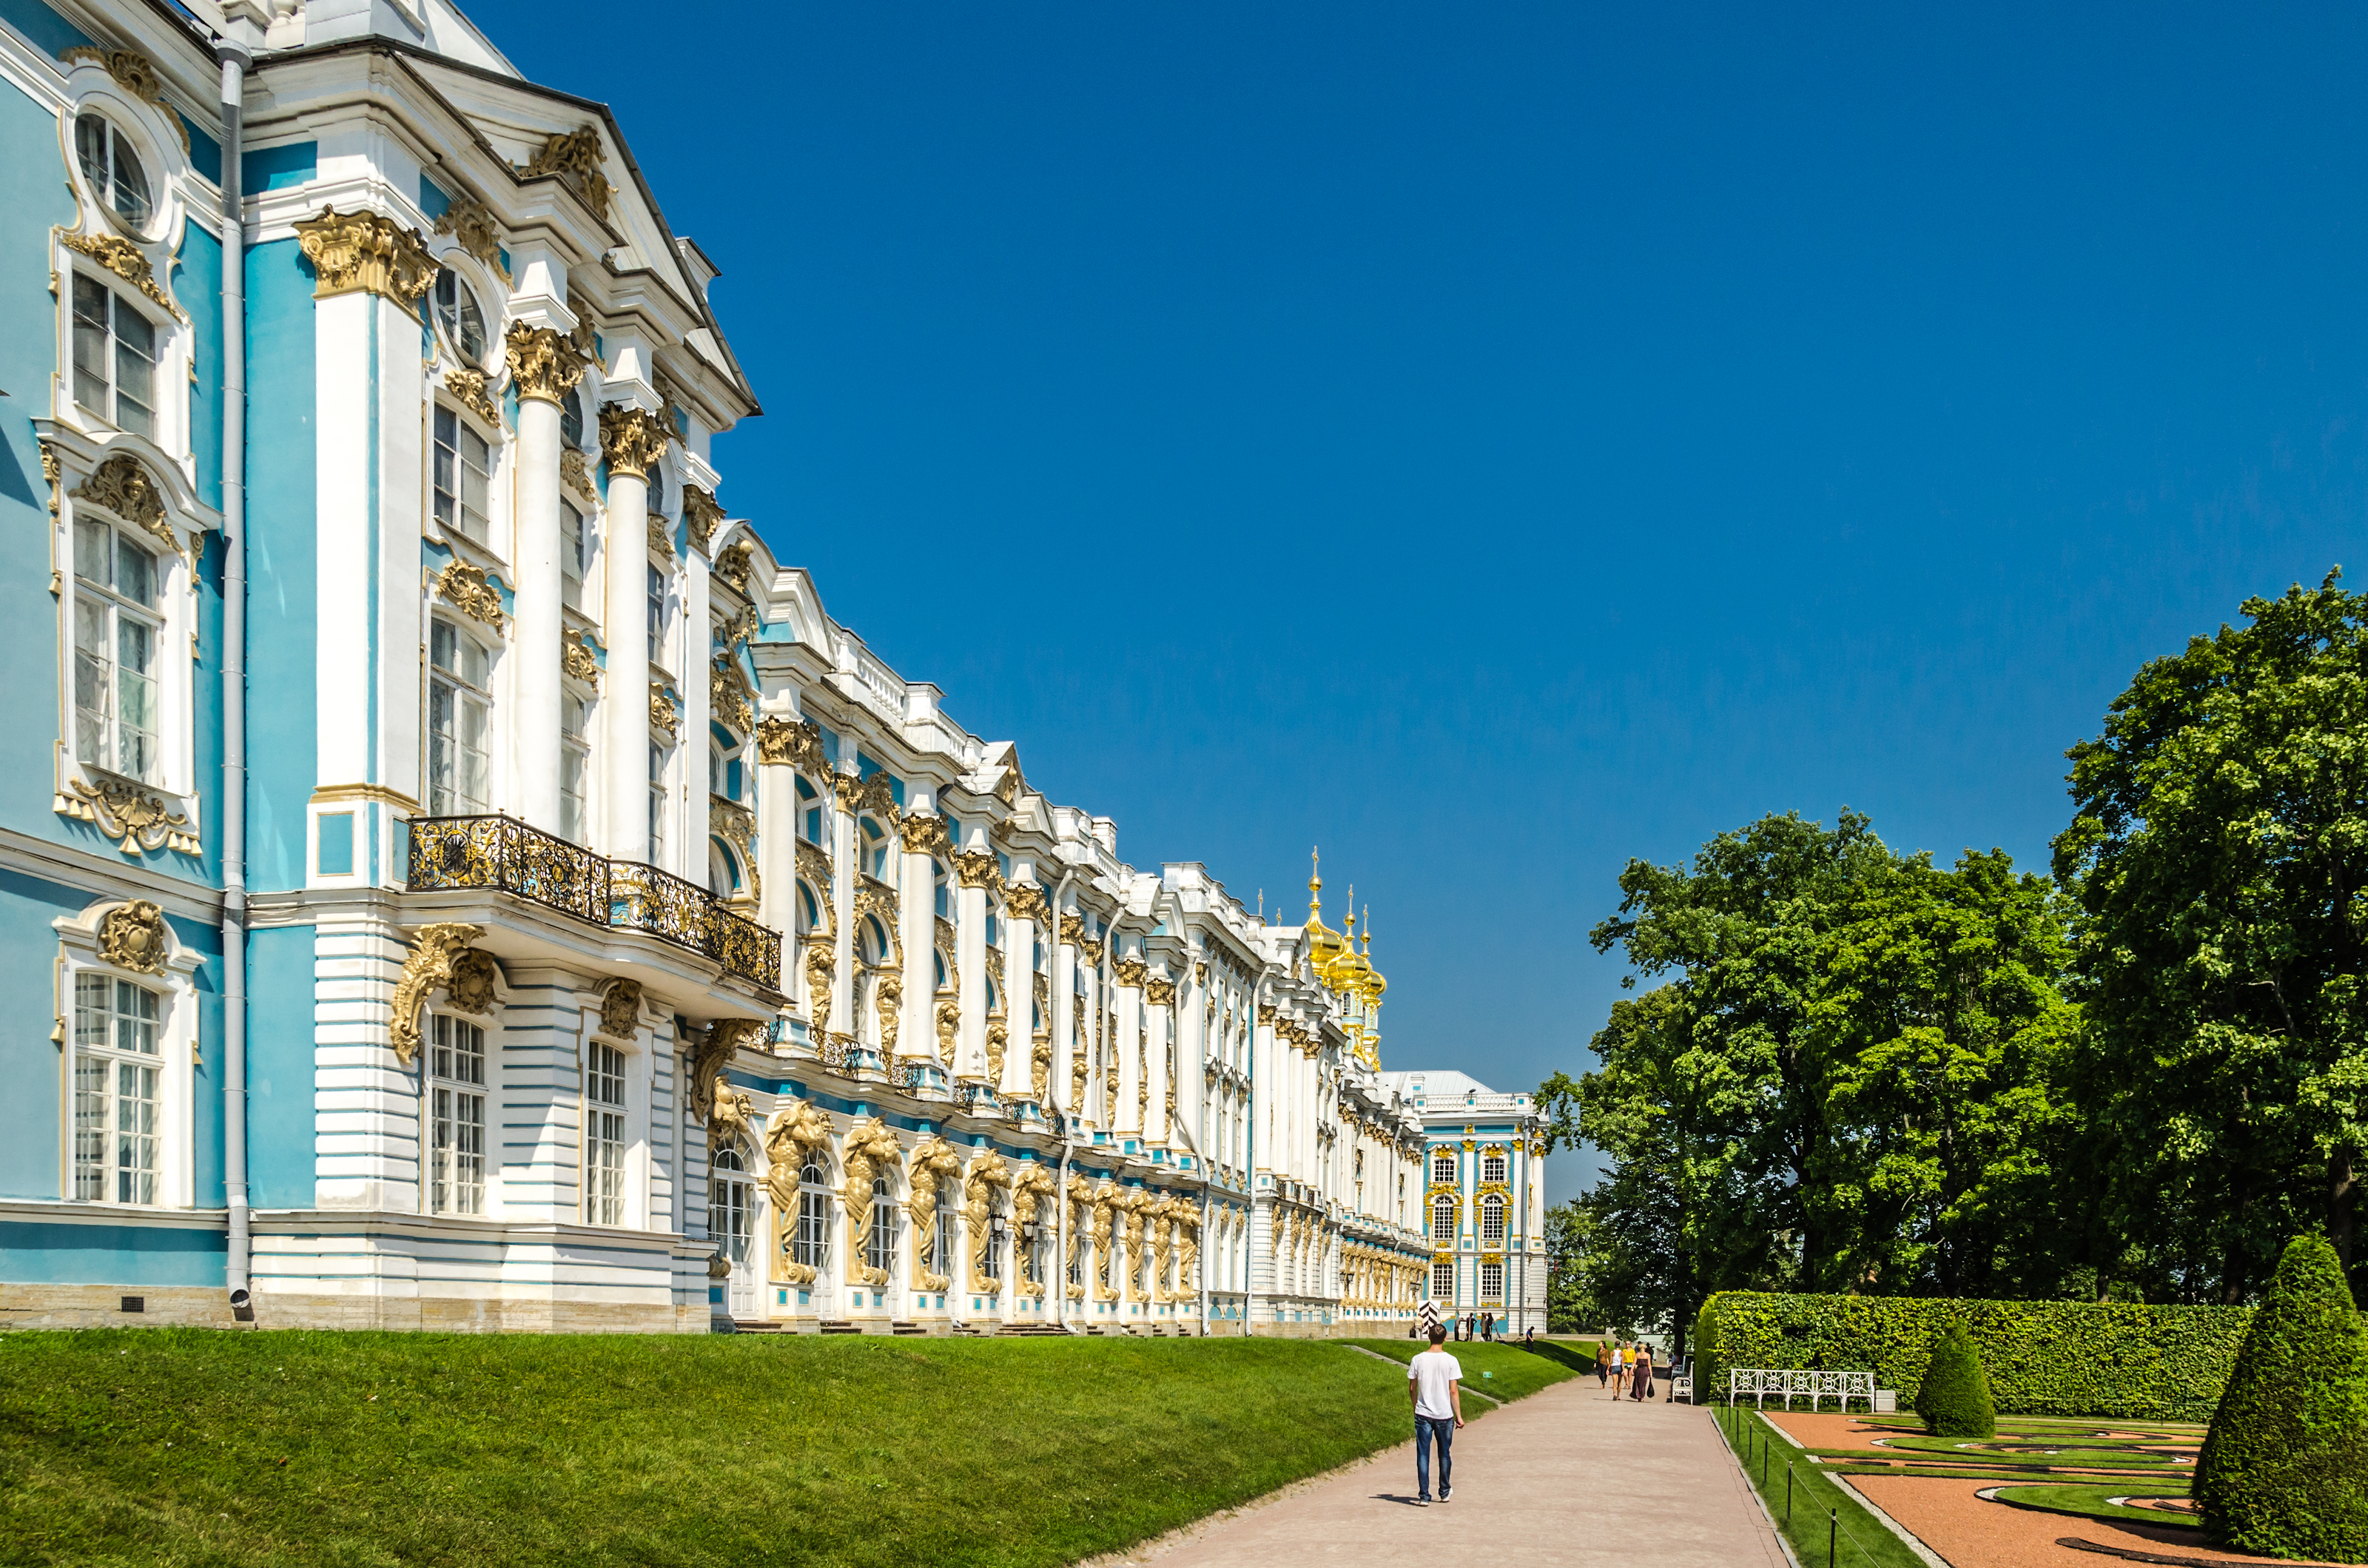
x,y
1435,1383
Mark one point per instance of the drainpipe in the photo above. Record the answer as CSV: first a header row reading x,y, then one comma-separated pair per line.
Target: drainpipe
x,y
236,57
1249,1178
1059,1284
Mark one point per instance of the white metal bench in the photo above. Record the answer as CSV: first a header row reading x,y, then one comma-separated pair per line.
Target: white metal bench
x,y
1841,1387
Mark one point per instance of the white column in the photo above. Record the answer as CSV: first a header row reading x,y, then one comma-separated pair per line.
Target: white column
x,y
920,834
777,839
845,863
543,367
974,869
630,440
1159,1015
1020,987
1092,1110
693,633
1064,1009
1129,973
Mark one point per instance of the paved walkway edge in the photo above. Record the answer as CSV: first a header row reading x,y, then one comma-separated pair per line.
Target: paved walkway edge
x,y
1184,1534
1753,1493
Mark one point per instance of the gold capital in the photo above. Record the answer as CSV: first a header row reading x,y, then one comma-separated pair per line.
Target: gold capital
x,y
543,365
631,438
363,253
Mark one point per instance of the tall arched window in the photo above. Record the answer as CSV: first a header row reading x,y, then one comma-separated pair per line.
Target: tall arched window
x,y
1443,1220
810,813
1442,1168
1492,1221
1442,1282
942,1240
730,1204
810,1245
880,1247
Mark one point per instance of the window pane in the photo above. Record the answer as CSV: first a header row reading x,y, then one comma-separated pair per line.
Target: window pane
x,y
443,645
91,540
135,370
447,478
135,573
130,194
90,149
90,347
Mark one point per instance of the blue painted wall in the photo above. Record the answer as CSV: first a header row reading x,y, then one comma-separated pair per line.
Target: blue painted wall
x,y
36,1253
281,565
43,26
279,1124
197,283
29,1058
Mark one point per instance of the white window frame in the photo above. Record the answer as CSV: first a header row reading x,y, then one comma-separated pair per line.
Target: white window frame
x,y
736,1240
1442,1205
1493,1296
810,1228
1440,1271
111,605
607,1142
1492,1219
176,1043
1437,1159
1493,1167
445,1089
575,754
465,426
464,693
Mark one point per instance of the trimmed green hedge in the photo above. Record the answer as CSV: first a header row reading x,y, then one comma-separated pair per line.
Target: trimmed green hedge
x,y
2041,1357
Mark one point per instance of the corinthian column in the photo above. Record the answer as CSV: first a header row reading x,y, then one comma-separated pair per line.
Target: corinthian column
x,y
630,440
1023,912
1129,974
1160,1013
545,368
924,839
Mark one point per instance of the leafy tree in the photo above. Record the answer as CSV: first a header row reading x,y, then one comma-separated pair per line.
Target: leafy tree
x,y
1571,1256
2284,1468
2219,857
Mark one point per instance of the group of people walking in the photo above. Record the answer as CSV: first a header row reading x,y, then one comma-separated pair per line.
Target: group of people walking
x,y
1625,1369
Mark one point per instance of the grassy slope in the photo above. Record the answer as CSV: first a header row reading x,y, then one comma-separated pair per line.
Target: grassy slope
x,y
1513,1371
192,1448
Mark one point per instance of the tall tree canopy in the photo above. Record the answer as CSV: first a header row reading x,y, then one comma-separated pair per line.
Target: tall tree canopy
x,y
2219,857
1846,1079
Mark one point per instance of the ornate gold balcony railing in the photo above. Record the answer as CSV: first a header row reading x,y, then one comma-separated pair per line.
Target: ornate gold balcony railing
x,y
504,853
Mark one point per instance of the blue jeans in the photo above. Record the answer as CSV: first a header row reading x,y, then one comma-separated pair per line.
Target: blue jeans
x,y
1425,1428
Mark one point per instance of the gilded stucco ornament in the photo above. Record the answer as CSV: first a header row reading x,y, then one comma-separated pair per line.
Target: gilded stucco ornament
x,y
791,743
575,157
127,261
869,1149
441,958
543,363
1163,1246
977,869
711,1054
1159,990
701,513
467,385
128,816
1130,972
820,964
1033,1183
1073,930
736,825
876,794
888,1005
998,1040
924,834
135,74
1138,1205
814,861
735,564
473,227
948,1022
577,660
50,470
470,590
620,1010
730,697
1093,951
363,253
664,717
1077,1070
1025,900
576,474
1079,1194
1039,1065
935,1164
630,440
661,537
1107,1200
796,1129
131,936
733,1114
125,487
987,1171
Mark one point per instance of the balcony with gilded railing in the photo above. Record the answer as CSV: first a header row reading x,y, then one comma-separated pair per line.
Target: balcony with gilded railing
x,y
505,855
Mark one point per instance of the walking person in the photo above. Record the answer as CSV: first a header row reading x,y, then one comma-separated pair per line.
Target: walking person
x,y
1643,1379
1602,1364
1435,1384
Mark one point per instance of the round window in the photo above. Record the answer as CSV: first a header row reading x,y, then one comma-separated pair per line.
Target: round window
x,y
456,314
112,169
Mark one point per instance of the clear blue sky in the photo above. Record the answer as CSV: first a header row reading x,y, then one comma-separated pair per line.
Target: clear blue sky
x,y
1492,442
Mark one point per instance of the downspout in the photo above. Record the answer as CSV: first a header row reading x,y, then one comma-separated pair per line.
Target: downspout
x,y
1060,1287
1250,1173
236,58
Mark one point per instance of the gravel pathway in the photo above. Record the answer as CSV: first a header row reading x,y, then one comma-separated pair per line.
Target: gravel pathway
x,y
1565,1476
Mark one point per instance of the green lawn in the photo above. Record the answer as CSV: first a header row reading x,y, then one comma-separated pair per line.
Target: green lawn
x,y
1502,1371
1814,1513
191,1448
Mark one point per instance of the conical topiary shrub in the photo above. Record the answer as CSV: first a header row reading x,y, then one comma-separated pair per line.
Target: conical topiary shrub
x,y
1955,1398
2285,1469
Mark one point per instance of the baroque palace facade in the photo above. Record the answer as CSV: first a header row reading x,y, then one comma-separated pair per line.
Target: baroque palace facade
x,y
460,879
